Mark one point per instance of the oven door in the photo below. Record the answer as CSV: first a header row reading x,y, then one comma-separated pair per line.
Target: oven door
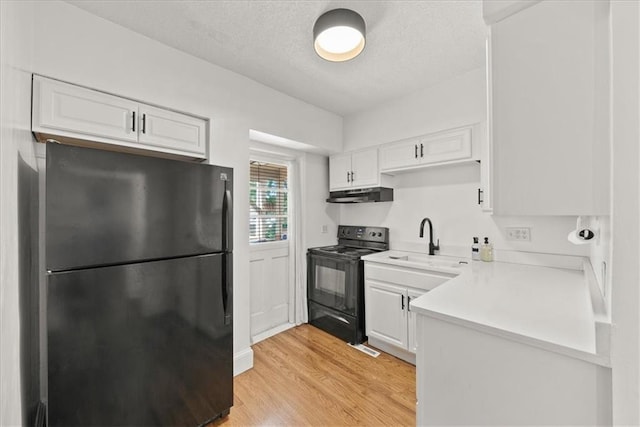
x,y
333,282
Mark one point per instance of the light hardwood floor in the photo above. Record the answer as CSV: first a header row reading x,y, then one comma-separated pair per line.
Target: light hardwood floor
x,y
305,376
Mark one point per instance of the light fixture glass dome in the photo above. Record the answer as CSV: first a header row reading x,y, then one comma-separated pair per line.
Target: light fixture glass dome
x,y
339,35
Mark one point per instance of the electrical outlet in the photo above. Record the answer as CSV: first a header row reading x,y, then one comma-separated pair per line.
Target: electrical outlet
x,y
519,234
324,229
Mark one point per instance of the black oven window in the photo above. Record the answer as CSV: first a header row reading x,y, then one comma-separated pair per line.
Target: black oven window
x,y
334,283
330,280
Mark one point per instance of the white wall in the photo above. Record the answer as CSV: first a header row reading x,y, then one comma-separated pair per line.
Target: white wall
x,y
15,142
317,212
625,218
447,194
75,46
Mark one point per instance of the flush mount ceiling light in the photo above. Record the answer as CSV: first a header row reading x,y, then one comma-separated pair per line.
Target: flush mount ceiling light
x,y
339,35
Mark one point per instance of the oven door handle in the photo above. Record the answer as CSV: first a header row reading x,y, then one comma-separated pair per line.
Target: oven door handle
x,y
335,316
335,258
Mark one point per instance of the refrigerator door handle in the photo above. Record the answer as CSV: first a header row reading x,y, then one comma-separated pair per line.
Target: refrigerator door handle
x,y
227,202
227,274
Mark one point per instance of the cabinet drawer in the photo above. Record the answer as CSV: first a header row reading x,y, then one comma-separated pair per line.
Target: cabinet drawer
x,y
406,276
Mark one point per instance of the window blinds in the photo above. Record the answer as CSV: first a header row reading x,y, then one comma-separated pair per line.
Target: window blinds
x,y
268,202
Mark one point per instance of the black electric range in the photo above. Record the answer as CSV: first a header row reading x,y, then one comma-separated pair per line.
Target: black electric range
x,y
335,281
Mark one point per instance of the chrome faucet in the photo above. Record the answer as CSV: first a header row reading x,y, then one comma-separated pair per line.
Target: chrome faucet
x,y
432,248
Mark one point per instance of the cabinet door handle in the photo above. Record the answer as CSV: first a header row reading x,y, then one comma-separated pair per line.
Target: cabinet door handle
x,y
421,150
408,303
133,122
352,176
416,150
348,177
403,302
144,123
480,193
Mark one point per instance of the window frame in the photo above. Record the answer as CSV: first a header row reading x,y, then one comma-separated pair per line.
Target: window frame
x,y
284,218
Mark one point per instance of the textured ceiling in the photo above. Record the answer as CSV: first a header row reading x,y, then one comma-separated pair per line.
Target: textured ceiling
x,y
410,44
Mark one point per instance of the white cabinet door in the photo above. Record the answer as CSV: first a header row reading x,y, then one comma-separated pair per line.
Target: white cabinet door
x,y
446,146
399,155
550,109
364,165
72,111
411,331
170,130
386,317
340,171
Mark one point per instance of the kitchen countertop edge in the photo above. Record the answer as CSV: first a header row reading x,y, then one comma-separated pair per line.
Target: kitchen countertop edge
x,y
466,278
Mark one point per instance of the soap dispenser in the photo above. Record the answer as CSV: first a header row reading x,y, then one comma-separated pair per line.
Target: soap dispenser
x,y
486,251
475,250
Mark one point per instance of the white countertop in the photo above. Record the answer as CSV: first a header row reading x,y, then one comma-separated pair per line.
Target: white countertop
x,y
543,306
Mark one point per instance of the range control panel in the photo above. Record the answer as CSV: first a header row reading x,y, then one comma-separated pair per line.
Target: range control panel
x,y
369,234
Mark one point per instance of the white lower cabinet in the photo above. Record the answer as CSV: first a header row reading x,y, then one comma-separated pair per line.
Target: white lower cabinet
x,y
467,376
386,314
412,321
390,325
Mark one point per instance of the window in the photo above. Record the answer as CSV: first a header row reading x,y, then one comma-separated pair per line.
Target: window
x,y
268,202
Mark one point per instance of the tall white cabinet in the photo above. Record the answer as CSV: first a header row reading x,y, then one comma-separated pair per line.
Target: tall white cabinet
x,y
548,109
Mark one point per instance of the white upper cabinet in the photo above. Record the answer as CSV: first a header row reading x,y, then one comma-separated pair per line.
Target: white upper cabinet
x,y
74,110
439,148
85,117
340,171
356,169
364,168
549,109
170,130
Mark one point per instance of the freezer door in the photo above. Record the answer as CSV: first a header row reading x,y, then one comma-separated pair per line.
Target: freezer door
x,y
105,208
141,344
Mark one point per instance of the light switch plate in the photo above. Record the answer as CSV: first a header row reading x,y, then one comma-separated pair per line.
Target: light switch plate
x,y
519,234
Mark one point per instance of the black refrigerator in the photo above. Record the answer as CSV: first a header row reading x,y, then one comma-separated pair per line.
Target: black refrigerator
x,y
138,289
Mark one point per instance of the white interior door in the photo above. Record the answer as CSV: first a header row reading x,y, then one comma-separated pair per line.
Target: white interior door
x,y
272,261
269,280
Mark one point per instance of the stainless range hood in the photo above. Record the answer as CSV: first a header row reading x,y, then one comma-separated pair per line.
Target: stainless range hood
x,y
362,195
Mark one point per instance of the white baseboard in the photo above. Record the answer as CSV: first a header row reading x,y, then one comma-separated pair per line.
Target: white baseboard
x,y
392,350
271,332
242,361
